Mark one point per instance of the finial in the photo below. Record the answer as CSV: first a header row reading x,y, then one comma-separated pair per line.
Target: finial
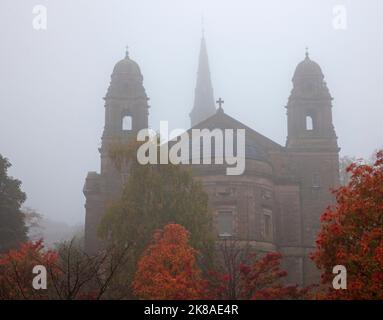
x,y
307,52
126,52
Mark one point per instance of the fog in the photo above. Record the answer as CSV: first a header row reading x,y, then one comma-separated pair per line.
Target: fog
x,y
52,81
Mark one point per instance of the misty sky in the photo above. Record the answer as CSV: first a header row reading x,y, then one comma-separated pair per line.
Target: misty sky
x,y
52,82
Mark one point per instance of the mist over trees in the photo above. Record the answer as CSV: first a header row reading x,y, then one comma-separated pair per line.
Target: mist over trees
x,y
165,251
81,82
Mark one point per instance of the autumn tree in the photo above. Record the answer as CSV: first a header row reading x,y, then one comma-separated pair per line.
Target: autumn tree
x,y
352,234
16,268
153,196
225,276
84,276
71,273
13,231
344,163
168,268
263,280
243,274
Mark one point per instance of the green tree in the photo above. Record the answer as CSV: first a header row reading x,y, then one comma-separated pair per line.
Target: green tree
x,y
154,196
12,227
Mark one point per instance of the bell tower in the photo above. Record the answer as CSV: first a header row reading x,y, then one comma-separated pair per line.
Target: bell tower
x,y
126,112
126,107
313,152
309,114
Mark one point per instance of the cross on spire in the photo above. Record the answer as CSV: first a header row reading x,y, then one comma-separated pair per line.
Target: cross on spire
x,y
307,51
220,102
127,52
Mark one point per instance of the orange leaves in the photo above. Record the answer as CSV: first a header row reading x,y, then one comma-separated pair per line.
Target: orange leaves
x,y
352,234
257,279
261,280
70,272
16,270
167,269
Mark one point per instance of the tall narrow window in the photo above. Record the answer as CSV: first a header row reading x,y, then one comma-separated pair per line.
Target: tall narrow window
x,y
267,231
127,123
225,223
309,123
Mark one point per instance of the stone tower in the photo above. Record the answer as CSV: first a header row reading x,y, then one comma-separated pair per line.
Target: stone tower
x,y
312,151
126,112
204,105
276,204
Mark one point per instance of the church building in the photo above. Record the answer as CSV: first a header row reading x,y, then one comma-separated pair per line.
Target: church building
x,y
277,202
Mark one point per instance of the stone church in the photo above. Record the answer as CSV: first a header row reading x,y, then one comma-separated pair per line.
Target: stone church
x,y
277,202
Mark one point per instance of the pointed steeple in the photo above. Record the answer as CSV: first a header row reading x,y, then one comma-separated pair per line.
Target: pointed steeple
x,y
204,105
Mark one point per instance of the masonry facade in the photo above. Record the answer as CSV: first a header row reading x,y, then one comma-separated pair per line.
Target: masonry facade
x,y
275,205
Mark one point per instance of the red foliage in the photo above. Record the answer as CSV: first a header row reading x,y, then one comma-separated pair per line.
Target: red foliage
x,y
352,235
167,269
259,280
71,273
16,271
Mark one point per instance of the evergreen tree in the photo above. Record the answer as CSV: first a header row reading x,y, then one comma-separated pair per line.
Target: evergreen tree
x,y
12,227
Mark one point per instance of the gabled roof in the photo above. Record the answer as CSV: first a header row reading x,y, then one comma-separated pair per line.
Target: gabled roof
x,y
221,120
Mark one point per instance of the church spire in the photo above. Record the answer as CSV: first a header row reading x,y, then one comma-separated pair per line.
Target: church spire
x,y
204,106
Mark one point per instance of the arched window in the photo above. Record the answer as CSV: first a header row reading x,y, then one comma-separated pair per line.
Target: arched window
x,y
127,123
309,123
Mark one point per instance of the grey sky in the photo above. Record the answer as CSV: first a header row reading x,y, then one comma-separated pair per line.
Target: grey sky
x,y
52,82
